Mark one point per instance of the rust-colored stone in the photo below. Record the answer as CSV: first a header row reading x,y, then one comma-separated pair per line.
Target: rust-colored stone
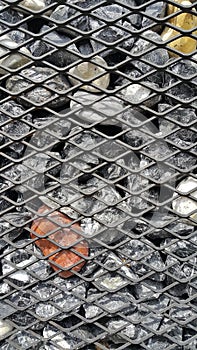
x,y
65,237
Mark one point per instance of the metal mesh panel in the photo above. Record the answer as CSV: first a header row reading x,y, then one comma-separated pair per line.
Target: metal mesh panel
x,y
98,175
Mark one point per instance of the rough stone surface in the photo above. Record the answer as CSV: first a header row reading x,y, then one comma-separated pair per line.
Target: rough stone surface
x,y
39,95
91,109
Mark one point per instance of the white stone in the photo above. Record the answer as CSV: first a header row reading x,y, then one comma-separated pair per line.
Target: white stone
x,y
5,328
136,94
184,205
34,5
91,108
56,339
90,70
188,185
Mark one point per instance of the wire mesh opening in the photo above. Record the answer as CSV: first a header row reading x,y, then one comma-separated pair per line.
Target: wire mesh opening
x,y
98,175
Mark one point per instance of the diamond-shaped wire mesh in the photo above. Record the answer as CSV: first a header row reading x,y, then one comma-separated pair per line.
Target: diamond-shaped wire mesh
x,y
98,175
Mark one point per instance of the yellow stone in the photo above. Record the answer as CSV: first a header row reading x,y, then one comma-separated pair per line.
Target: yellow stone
x,y
183,20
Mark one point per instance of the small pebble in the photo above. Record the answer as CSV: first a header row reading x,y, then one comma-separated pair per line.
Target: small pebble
x,y
138,94
89,70
184,205
33,5
5,328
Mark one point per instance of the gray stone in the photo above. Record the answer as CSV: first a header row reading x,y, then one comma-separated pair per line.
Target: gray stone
x,y
156,10
137,94
184,116
133,17
184,161
181,248
157,56
159,150
94,109
66,296
63,13
5,309
184,91
110,34
148,289
9,15
13,60
186,203
50,130
58,341
39,95
11,226
14,129
24,339
23,300
113,281
21,259
65,55
111,217
184,272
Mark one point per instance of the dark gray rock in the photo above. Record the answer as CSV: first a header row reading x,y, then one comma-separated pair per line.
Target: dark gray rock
x,y
24,339
181,227
184,313
66,296
97,254
157,57
135,18
6,309
129,331
189,337
63,14
9,16
11,226
156,10
14,264
23,300
183,161
184,116
110,34
111,172
39,95
183,138
183,248
65,54
148,289
161,343
179,273
14,130
184,91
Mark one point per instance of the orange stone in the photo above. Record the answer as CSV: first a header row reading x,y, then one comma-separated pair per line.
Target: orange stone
x,y
66,255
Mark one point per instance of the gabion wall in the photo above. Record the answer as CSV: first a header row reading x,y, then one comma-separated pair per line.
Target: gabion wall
x,y
98,175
